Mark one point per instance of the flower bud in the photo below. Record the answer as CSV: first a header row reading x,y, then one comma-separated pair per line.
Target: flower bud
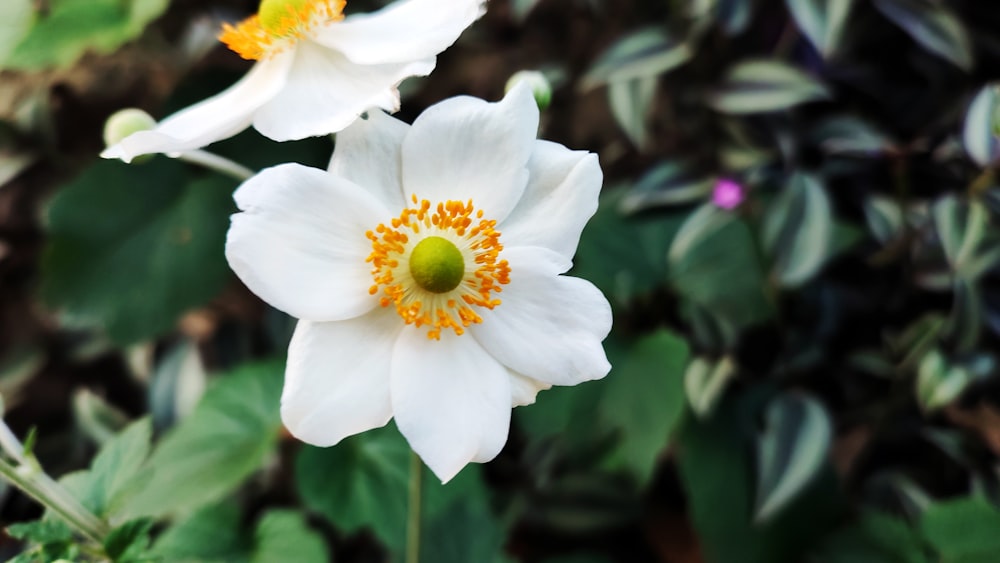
x,y
540,86
125,122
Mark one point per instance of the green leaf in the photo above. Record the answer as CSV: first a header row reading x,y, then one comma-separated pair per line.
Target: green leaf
x,y
47,539
874,538
622,256
966,319
211,534
666,184
16,19
884,217
918,339
631,102
157,250
209,454
851,136
961,228
645,399
733,15
363,481
643,54
705,382
284,535
798,230
41,531
463,533
713,263
716,472
822,21
69,28
790,451
933,25
938,383
115,473
760,86
128,542
963,530
567,413
978,134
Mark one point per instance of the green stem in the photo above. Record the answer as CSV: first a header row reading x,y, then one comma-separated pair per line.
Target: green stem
x,y
414,510
219,164
50,494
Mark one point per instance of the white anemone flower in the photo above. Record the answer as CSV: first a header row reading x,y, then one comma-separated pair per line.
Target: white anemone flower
x,y
316,71
426,268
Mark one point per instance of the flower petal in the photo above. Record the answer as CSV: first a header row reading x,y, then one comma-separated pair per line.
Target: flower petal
x,y
403,31
466,148
337,377
548,327
211,120
300,242
451,400
562,192
368,154
326,92
524,389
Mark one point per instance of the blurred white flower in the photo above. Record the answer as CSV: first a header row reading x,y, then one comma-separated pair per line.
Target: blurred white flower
x,y
316,71
425,267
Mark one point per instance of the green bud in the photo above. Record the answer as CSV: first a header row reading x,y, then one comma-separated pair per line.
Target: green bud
x,y
125,122
539,85
437,265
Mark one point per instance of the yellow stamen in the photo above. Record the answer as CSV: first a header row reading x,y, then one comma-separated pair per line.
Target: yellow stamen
x,y
475,237
279,24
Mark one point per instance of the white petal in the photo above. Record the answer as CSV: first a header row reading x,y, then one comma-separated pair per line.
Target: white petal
x,y
562,192
326,92
464,147
523,389
368,154
211,120
300,242
451,400
337,377
548,327
403,31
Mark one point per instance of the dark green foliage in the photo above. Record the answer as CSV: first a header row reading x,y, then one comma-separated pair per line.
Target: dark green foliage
x,y
806,375
153,254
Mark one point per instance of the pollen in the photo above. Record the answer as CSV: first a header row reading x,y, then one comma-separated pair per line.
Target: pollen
x,y
451,240
278,24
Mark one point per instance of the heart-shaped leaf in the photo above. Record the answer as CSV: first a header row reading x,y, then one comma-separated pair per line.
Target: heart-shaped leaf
x,y
790,451
760,86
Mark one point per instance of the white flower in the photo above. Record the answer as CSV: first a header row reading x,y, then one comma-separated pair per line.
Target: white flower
x,y
426,268
316,71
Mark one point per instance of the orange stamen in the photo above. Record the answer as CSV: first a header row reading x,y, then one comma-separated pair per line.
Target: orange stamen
x,y
485,272
253,40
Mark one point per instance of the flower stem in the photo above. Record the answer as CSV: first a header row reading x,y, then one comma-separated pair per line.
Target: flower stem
x,y
219,164
29,478
414,510
50,494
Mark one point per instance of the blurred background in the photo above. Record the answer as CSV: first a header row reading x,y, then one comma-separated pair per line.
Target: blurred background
x,y
797,232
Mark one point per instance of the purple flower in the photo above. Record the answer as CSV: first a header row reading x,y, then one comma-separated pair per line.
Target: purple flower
x,y
728,194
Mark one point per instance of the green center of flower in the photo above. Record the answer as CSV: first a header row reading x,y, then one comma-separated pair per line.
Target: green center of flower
x,y
273,12
436,264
